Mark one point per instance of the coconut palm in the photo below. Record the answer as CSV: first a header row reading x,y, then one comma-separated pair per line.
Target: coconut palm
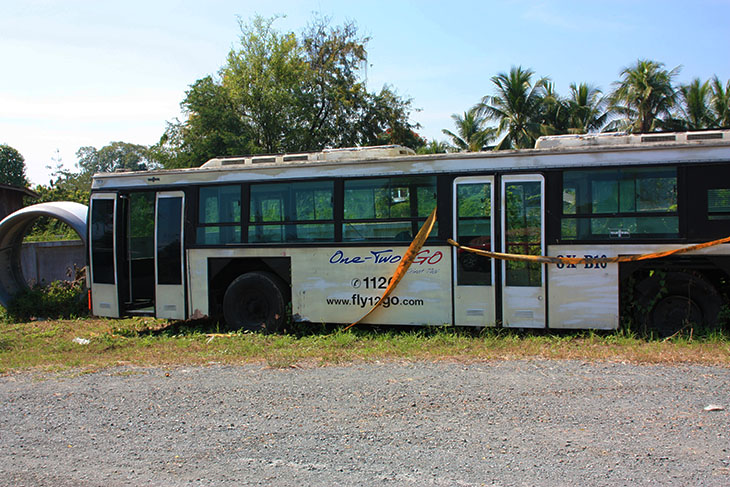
x,y
720,102
586,109
555,112
696,113
517,107
433,147
644,98
471,134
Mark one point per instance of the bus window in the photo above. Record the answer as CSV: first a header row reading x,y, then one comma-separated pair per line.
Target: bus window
x,y
102,240
474,229
619,203
292,212
387,208
523,231
718,204
219,215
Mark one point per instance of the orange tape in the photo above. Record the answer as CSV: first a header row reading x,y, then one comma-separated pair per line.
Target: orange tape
x,y
405,263
545,259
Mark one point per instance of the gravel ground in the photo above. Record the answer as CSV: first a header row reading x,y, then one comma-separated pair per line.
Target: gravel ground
x,y
450,424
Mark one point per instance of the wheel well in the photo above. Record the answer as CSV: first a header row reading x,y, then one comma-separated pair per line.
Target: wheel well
x,y
222,271
633,276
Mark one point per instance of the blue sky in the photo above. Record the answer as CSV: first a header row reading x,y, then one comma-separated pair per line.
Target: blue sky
x,y
78,73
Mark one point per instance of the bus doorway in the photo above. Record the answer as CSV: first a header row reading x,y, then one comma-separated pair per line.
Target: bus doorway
x,y
136,254
523,232
474,294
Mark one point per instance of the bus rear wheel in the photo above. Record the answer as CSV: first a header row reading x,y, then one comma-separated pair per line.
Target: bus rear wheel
x,y
682,300
255,302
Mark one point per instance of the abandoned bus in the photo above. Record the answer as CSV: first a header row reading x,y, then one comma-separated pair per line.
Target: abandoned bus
x,y
319,235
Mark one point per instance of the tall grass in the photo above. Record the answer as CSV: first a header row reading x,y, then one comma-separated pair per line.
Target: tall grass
x,y
49,345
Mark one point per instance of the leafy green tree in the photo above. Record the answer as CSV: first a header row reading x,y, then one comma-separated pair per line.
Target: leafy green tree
x,y
720,101
586,109
471,133
12,167
113,157
279,92
517,107
262,79
384,118
213,128
696,113
644,98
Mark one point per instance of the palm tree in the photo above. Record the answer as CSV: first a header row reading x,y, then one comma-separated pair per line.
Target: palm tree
x,y
586,109
696,112
517,107
433,147
471,135
644,98
555,114
720,102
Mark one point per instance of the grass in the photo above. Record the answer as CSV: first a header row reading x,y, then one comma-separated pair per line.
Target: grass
x,y
49,345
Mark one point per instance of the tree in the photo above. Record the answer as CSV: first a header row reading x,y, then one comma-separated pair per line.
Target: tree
x,y
586,109
434,147
471,134
213,128
517,107
113,157
696,113
720,101
644,98
279,92
12,167
554,112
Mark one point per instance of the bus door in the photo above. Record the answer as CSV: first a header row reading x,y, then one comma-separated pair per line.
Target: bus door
x,y
169,255
103,237
474,295
523,232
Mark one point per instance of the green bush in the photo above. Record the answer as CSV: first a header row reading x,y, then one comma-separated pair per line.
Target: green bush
x,y
57,300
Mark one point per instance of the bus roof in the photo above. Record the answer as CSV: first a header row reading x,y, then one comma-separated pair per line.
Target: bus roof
x,y
550,152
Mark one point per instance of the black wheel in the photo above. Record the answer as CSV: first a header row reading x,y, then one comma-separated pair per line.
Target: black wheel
x,y
682,300
255,302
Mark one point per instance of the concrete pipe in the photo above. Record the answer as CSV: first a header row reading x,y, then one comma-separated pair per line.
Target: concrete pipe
x,y
14,228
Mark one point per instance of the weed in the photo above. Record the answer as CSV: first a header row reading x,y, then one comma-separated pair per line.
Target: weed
x,y
57,300
48,345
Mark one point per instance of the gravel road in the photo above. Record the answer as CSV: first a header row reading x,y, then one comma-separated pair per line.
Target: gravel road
x,y
443,424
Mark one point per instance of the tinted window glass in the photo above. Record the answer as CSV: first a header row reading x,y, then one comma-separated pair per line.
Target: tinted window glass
x,y
102,240
620,203
277,209
169,252
387,208
220,204
718,204
474,229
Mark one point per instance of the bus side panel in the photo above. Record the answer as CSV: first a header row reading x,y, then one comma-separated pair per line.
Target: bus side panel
x,y
340,285
583,295
197,276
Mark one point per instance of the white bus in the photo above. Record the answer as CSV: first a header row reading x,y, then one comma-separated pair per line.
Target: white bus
x,y
317,236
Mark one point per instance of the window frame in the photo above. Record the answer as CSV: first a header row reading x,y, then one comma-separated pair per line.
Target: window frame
x,y
557,200
200,225
413,220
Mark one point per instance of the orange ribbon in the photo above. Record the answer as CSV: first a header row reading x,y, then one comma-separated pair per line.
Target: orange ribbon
x,y
545,259
405,263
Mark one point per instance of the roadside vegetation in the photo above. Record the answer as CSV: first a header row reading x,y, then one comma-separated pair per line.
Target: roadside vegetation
x,y
48,329
87,344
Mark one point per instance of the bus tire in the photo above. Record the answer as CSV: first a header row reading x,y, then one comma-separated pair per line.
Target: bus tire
x,y
684,300
255,302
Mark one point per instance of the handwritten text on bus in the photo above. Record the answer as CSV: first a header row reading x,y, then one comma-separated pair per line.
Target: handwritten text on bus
x,y
386,257
587,265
